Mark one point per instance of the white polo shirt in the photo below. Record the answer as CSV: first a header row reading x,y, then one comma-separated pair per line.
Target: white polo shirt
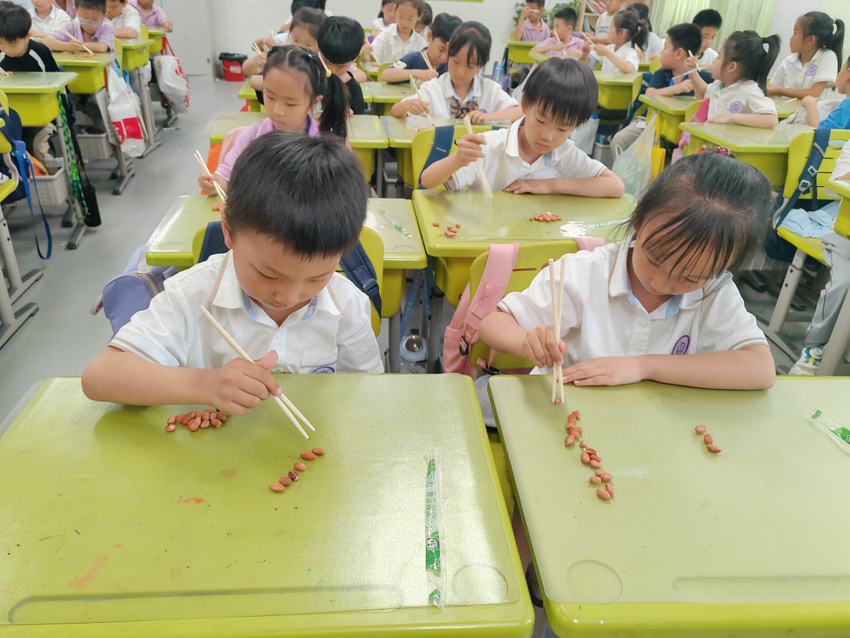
x,y
603,24
440,92
389,47
332,333
744,96
503,164
627,52
654,45
842,164
595,324
55,19
708,58
129,18
793,74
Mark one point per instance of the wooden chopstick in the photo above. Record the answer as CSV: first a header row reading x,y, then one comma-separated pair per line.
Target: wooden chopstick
x,y
485,184
238,350
416,88
427,61
76,40
205,168
560,313
557,302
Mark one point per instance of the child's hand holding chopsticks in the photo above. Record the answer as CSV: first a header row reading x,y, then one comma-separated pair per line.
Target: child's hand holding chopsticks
x,y
238,386
541,347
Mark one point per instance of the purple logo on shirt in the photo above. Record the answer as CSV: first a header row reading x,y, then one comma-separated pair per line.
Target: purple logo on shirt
x,y
812,69
323,370
682,344
736,107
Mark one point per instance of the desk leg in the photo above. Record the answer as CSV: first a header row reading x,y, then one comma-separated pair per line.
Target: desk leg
x,y
395,342
147,113
17,285
124,173
379,169
435,331
834,351
74,214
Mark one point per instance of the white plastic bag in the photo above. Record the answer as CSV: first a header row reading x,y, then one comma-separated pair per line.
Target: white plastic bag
x,y
172,82
125,115
585,135
634,165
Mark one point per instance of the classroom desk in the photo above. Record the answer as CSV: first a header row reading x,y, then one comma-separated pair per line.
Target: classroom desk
x,y
786,107
692,543
671,112
766,149
388,94
615,89
90,72
113,526
157,36
250,96
135,52
366,137
370,68
35,96
519,52
225,121
367,92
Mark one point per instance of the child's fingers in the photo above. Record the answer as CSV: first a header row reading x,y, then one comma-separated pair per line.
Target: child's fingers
x,y
538,352
553,348
266,384
577,372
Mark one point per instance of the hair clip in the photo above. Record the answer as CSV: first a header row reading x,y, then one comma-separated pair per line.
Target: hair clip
x,y
325,66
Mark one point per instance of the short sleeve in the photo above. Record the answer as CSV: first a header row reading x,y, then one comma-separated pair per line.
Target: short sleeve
x,y
827,69
499,100
61,36
579,165
357,348
725,323
107,34
759,103
842,164
466,177
630,55
778,78
659,80
405,61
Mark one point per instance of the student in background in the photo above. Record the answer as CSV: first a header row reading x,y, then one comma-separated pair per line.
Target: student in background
x,y
627,32
709,21
88,27
296,206
839,118
660,305
413,64
400,38
740,76
681,38
386,17
300,4
654,45
424,21
124,18
530,26
47,18
604,21
67,6
568,43
340,40
153,17
303,32
295,82
462,91
535,155
817,48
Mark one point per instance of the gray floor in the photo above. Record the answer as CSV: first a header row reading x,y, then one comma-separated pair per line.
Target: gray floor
x,y
63,337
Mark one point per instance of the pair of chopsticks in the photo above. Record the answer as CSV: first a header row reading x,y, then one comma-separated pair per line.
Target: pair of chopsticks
x,y
76,40
686,73
427,61
283,402
416,89
206,169
557,305
2,72
485,183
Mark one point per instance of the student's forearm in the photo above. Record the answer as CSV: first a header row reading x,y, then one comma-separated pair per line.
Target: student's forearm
x,y
399,109
395,75
605,185
256,82
756,120
544,48
667,90
126,32
751,368
502,333
97,47
251,66
815,91
512,114
123,377
518,30
441,171
621,64
698,84
812,117
58,45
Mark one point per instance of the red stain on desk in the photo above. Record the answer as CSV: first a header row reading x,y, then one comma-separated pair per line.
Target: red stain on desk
x,y
81,583
228,473
191,499
118,545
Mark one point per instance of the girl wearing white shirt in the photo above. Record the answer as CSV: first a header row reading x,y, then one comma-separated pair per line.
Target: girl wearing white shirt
x,y
816,53
660,305
740,72
626,33
47,18
385,18
463,91
654,44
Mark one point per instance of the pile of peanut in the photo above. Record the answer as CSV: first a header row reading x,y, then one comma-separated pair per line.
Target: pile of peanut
x,y
451,231
707,439
196,420
292,476
589,457
545,217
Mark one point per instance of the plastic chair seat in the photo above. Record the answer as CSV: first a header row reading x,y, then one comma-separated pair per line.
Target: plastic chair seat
x,y
812,246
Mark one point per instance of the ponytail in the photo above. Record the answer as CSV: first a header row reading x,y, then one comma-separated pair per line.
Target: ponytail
x,y
630,21
335,108
754,54
828,33
643,13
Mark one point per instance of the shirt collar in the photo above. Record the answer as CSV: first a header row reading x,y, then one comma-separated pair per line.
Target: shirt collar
x,y
474,93
512,145
796,61
529,25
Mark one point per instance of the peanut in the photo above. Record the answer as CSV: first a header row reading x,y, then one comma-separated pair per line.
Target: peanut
x,y
285,481
583,444
221,416
595,457
610,489
578,414
457,225
595,480
590,450
569,441
318,451
215,423
300,467
276,487
700,429
606,478
580,431
713,449
708,439
602,493
170,427
585,458
308,456
195,424
436,224
172,420
596,464
293,475
557,401
600,472
205,424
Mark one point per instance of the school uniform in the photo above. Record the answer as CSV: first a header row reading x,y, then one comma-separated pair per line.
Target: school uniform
x,y
252,132
793,74
355,96
595,324
378,24
389,47
70,8
654,45
129,18
503,164
414,61
332,333
530,33
708,57
485,96
55,19
37,59
838,118
603,24
627,52
575,44
744,96
155,17
104,34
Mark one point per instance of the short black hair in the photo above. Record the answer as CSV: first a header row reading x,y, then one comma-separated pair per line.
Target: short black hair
x,y
310,19
419,5
708,18
94,5
308,193
713,204
564,90
539,3
444,26
477,36
310,4
427,15
340,39
15,21
685,36
567,15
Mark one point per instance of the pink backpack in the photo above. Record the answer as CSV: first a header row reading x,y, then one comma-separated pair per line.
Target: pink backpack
x,y
463,330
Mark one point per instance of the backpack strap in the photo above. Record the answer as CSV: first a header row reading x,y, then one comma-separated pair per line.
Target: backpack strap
x,y
26,170
359,269
808,177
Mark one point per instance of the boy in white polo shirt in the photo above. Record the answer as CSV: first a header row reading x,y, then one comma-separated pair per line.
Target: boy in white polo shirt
x,y
47,18
295,205
535,155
